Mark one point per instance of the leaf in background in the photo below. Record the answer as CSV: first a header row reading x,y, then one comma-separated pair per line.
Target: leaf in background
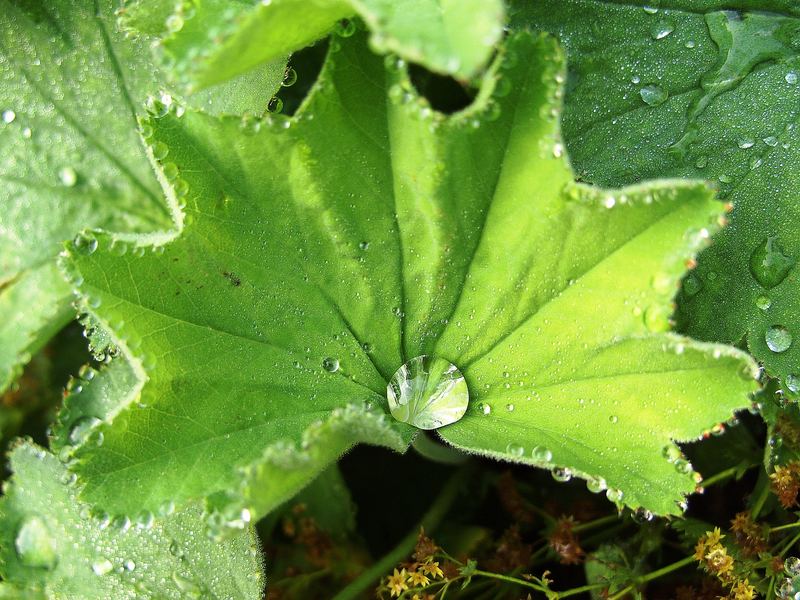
x,y
70,156
51,545
215,41
267,331
699,93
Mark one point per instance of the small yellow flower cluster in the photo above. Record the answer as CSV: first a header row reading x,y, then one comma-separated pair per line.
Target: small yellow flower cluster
x,y
714,557
419,576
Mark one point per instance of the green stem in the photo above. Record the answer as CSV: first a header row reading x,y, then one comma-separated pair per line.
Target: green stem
x,y
759,503
436,452
783,527
580,590
653,575
790,544
596,523
429,522
721,476
509,579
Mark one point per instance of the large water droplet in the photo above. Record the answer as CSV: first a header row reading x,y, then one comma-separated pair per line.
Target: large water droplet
x,y
68,176
792,566
102,566
778,338
35,547
330,364
653,95
561,474
768,263
541,454
427,392
661,30
793,382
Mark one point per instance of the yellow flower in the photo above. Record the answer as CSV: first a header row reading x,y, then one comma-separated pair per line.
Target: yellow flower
x,y
719,562
397,582
417,578
743,591
713,537
431,567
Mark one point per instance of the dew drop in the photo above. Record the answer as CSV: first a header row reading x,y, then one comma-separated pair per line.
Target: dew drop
x,y
174,23
81,429
541,454
102,566
793,382
510,407
275,105
428,392
792,566
34,544
661,30
8,116
561,474
129,565
769,264
84,243
289,77
763,302
68,176
515,450
778,338
485,409
330,364
345,28
614,495
160,150
613,419
791,78
187,587
653,95
595,484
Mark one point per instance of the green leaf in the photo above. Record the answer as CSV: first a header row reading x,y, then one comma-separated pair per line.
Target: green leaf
x,y
265,334
53,548
214,41
70,154
693,91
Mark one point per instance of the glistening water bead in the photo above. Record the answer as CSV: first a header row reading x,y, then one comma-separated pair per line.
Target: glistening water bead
x,y
427,392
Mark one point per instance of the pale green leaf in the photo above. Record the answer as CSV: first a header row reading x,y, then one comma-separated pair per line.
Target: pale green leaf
x,y
303,277
52,547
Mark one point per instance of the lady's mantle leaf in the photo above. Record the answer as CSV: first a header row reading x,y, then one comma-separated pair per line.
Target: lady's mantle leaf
x,y
697,91
70,155
318,253
52,547
217,40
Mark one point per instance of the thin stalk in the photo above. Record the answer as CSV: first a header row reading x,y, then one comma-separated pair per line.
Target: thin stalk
x,y
596,523
581,590
759,503
653,575
514,580
405,546
721,476
436,452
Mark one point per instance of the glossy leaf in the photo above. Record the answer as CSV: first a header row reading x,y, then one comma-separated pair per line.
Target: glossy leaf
x,y
214,41
52,547
696,91
266,333
70,156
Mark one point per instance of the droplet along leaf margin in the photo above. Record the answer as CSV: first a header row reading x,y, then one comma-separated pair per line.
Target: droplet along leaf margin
x,y
235,318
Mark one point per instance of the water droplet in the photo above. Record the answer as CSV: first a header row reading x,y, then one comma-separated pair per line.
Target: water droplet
x,y
289,77
330,364
650,10
34,544
614,495
102,566
595,484
160,150
771,141
158,106
145,519
485,409
682,466
671,453
653,95
793,382
690,44
68,176
778,338
791,78
763,302
642,515
541,454
613,419
746,143
768,263
661,30
275,105
81,429
84,243
345,28
174,23
701,162
189,588
515,450
427,392
509,406
129,565
561,474
692,285
9,116
792,566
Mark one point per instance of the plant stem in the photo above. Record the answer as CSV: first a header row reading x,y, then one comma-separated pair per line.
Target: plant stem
x,y
783,527
791,543
721,476
759,503
654,575
430,520
436,452
509,579
596,523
